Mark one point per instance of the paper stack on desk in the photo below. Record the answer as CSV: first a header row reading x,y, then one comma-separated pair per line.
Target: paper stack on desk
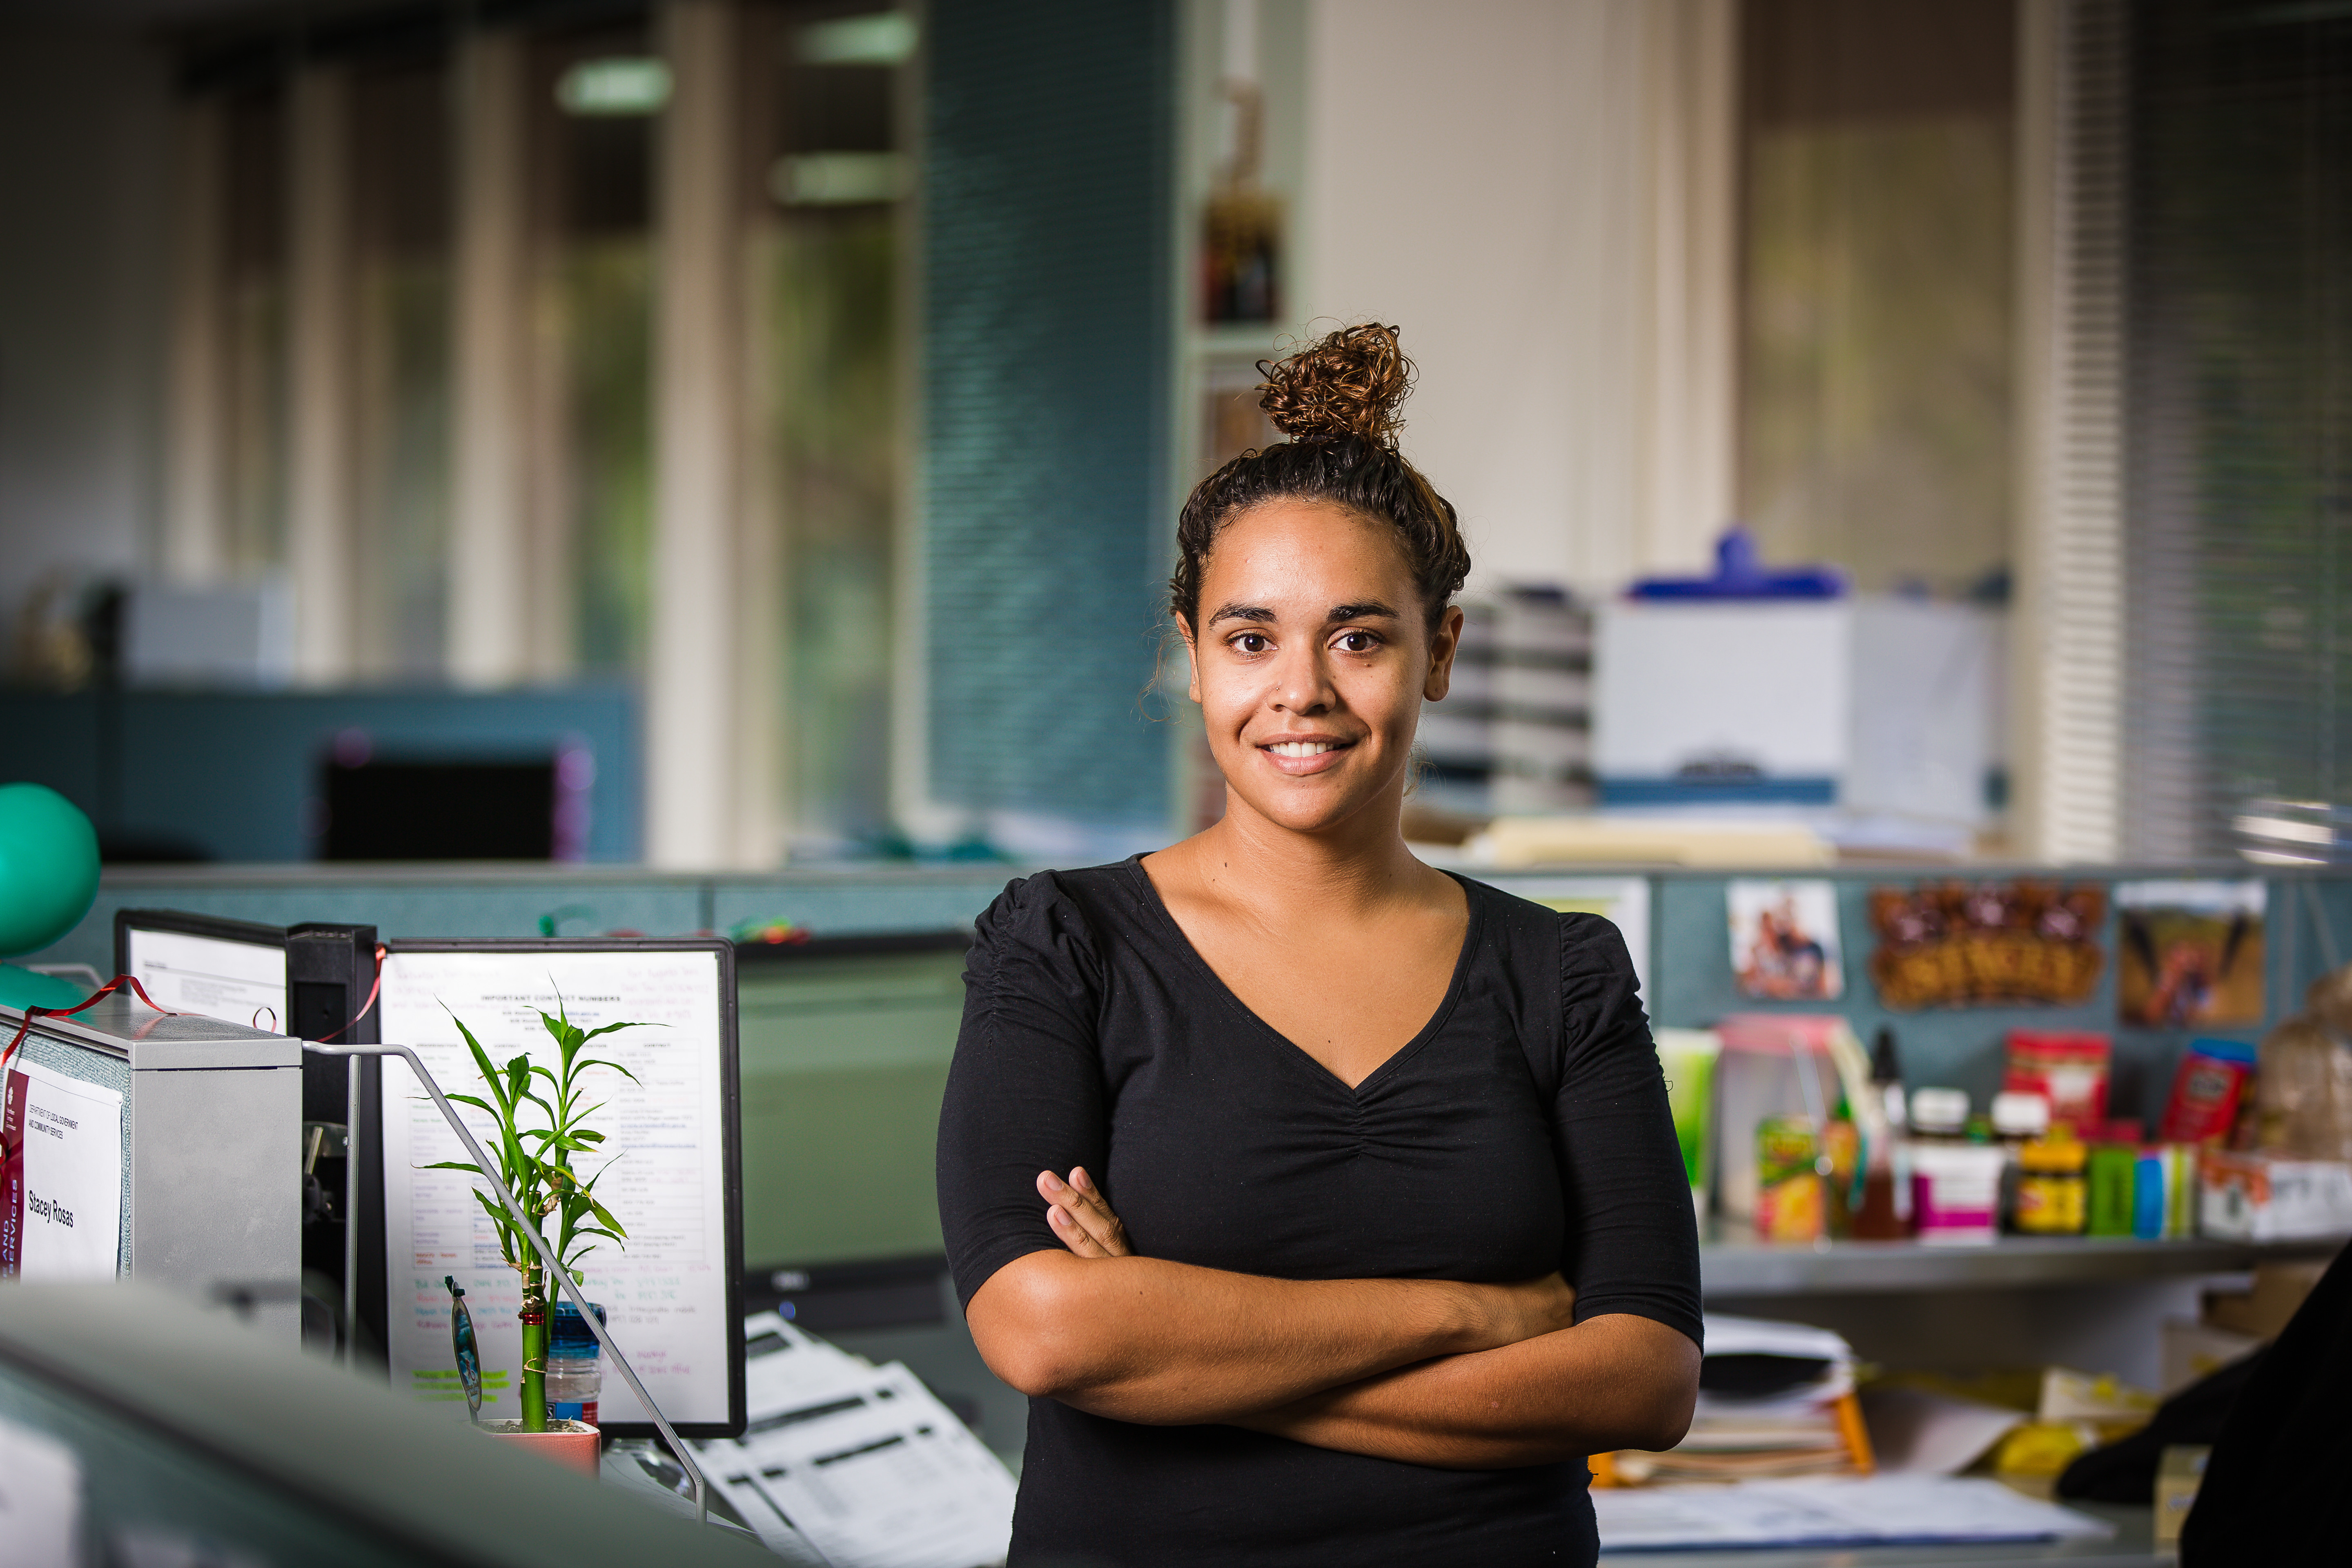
x,y
1769,1406
1878,1511
859,1461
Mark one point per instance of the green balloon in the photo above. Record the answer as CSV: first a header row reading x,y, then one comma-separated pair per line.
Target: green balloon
x,y
49,867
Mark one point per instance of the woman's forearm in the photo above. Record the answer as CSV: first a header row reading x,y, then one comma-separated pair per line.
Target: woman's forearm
x,y
1613,1382
1143,1340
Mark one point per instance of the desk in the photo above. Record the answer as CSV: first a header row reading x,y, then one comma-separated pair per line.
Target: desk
x,y
2132,1546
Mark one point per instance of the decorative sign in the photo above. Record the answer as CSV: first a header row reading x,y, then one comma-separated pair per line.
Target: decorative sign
x,y
1955,944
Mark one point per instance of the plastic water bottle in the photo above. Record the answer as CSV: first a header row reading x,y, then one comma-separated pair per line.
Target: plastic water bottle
x,y
575,1366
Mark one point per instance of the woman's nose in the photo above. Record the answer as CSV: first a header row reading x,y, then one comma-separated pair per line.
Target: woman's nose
x,y
1301,683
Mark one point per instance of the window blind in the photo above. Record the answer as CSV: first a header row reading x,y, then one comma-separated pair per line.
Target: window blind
x,y
2237,515
1048,319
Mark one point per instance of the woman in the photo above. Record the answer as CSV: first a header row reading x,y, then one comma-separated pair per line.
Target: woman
x,y
1327,1206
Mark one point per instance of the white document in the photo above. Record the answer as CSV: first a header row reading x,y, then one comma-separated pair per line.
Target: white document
x,y
666,1293
61,1196
860,1461
234,982
876,1473
1874,1510
40,1498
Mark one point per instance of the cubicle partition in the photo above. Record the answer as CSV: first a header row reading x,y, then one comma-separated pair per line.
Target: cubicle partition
x,y
845,1041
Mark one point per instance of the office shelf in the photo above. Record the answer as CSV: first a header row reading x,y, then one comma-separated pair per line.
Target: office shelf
x,y
1732,1262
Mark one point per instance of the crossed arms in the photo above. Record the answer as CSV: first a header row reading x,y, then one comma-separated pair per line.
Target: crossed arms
x,y
1431,1372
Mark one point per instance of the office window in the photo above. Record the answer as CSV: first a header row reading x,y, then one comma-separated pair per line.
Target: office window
x,y
592,157
254,330
1876,314
400,176
830,240
2238,513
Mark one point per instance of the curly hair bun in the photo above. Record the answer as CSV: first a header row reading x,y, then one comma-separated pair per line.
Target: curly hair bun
x,y
1349,382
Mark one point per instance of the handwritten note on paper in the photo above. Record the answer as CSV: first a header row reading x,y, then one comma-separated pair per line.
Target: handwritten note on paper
x,y
665,1293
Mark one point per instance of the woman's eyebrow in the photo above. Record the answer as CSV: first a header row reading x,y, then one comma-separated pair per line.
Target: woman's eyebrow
x,y
1243,613
1370,609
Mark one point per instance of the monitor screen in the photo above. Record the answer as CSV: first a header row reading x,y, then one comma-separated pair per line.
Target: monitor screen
x,y
668,1169
234,970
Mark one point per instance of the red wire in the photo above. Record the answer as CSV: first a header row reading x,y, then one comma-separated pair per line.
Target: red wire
x,y
366,1006
92,1000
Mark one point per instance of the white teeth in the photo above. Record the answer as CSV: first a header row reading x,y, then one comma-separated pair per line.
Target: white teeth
x,y
1299,748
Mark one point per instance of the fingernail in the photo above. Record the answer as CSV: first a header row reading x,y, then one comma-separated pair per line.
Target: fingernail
x,y
1080,1180
1053,1182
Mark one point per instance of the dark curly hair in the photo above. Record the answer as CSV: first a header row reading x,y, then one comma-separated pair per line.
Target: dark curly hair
x,y
1337,400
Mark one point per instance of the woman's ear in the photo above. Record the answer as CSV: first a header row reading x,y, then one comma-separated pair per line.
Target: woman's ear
x,y
1444,643
1191,661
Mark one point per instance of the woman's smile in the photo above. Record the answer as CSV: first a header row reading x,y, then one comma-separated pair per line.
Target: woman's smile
x,y
1301,756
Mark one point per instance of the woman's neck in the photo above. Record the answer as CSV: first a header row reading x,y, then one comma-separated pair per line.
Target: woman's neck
x,y
1359,864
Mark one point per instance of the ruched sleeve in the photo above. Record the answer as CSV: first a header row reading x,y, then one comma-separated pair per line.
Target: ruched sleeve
x,y
1633,1237
1026,1092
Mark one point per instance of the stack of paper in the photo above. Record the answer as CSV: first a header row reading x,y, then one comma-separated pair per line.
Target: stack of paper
x,y
1767,1401
859,1461
1878,1512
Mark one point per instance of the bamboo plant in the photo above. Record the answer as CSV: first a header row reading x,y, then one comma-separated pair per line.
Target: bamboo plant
x,y
535,1162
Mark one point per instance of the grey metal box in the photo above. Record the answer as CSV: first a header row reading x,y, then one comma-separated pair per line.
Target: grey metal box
x,y
212,1138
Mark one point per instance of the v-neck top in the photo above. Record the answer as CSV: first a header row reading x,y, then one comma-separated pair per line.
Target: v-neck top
x,y
1523,1129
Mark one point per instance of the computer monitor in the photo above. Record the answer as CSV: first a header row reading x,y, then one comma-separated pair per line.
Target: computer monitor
x,y
673,1293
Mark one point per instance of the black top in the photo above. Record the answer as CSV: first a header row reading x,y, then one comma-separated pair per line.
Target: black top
x,y
1524,1128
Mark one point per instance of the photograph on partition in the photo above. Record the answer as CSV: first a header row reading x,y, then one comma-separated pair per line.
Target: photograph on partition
x,y
662,1169
2191,953
1784,940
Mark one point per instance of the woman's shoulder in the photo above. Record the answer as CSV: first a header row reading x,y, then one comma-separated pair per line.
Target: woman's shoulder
x,y
1538,934
1061,910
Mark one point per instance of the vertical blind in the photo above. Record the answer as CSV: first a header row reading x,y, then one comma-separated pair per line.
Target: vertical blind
x,y
2238,559
1047,316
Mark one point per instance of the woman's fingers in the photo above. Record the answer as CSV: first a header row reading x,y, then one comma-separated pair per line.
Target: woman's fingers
x,y
1080,1216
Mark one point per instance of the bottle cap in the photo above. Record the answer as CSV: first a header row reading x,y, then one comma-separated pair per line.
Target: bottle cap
x,y
567,1335
2016,1115
1939,1110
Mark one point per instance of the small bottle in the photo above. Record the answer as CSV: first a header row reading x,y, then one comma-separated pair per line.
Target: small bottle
x,y
1884,1214
2052,1195
575,1366
2017,1120
1886,1077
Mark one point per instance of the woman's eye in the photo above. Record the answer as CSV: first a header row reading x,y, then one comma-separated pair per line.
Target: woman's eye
x,y
1251,642
1359,642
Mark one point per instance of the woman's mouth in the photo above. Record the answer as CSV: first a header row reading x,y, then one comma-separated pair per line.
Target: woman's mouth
x,y
1299,758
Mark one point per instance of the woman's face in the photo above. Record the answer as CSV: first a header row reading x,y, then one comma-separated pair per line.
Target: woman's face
x,y
1311,661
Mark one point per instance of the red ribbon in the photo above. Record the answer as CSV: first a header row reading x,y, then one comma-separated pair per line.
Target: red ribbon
x,y
93,999
364,1007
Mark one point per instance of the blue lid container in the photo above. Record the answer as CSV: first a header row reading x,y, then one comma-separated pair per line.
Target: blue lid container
x,y
569,1336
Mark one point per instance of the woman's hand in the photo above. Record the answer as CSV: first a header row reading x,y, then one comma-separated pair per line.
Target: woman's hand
x,y
1083,1221
1080,1218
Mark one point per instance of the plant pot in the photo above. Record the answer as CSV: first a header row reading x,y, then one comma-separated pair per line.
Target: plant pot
x,y
572,1444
